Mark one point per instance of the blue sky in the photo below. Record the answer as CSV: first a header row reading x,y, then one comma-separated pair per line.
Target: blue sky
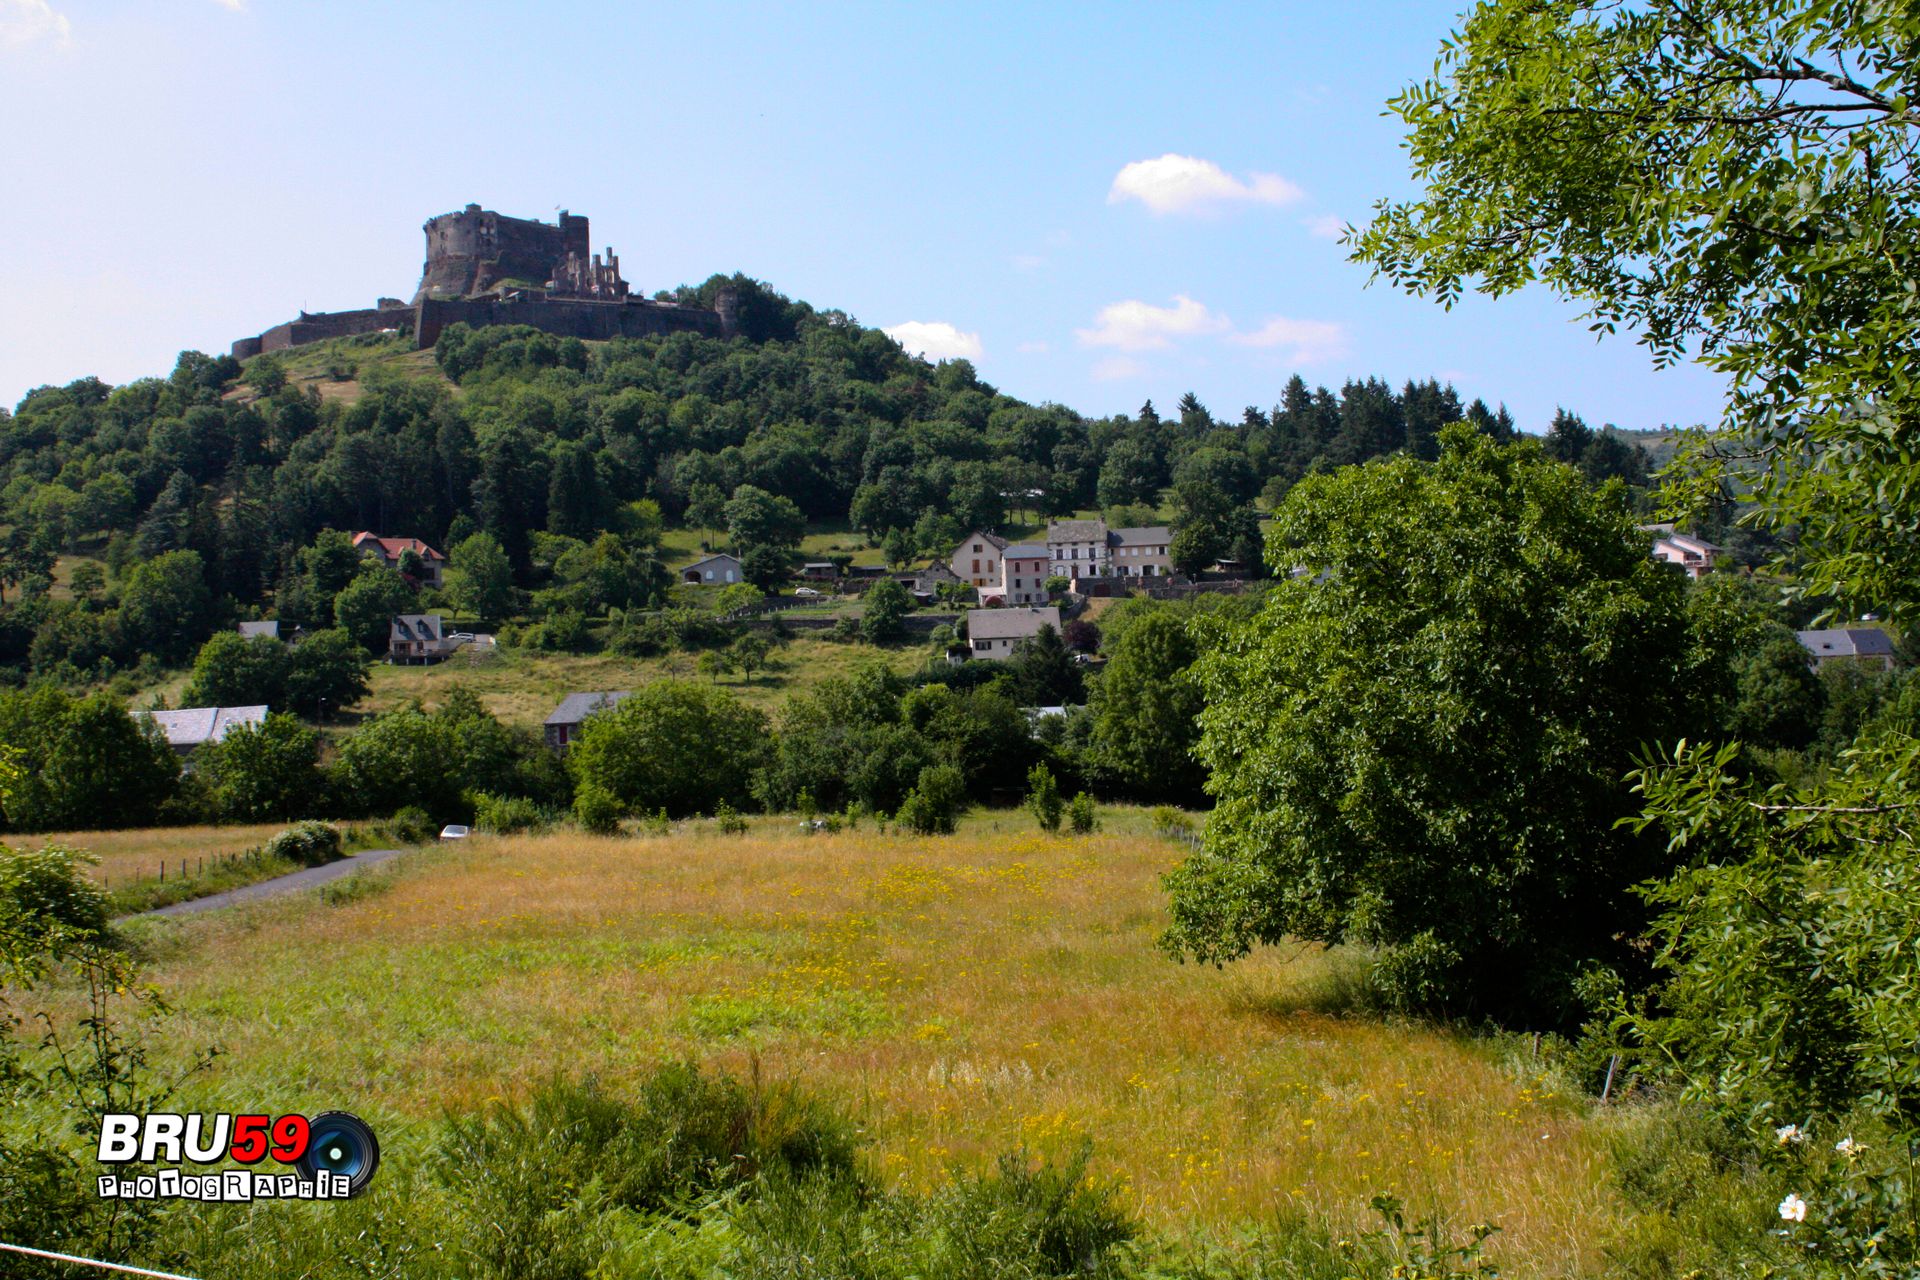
x,y
1099,204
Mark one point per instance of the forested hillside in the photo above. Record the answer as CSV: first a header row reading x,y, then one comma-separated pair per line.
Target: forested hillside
x,y
531,438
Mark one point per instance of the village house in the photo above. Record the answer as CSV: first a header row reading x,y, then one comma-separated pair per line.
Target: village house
x,y
190,728
1696,556
993,633
563,726
721,568
270,629
1868,646
1142,553
976,561
1024,580
418,637
1079,549
389,550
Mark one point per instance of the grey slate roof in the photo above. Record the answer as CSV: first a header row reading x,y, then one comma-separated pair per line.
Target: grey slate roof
x,y
987,536
195,726
1847,642
269,628
1010,624
1155,536
576,707
1077,531
416,626
1024,551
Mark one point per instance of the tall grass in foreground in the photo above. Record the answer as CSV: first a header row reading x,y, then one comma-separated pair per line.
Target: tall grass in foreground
x,y
961,996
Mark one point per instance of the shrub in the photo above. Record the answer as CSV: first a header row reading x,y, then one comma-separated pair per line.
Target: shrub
x,y
935,801
597,810
307,843
730,822
506,815
413,825
1081,816
1043,798
46,889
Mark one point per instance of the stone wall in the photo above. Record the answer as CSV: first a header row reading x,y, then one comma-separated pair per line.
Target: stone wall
x,y
569,317
326,324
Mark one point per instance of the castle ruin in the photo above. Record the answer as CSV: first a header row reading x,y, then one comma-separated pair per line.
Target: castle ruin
x,y
484,268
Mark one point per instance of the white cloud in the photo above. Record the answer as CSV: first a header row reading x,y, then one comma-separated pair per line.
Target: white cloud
x,y
235,5
1308,341
936,340
1327,227
1117,368
1140,326
24,21
1188,184
1028,262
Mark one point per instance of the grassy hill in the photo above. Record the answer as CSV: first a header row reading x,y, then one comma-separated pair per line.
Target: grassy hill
x,y
963,996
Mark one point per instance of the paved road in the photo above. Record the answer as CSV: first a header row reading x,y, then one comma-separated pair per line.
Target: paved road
x,y
303,879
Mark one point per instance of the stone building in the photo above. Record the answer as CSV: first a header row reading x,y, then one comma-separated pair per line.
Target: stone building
x,y
485,268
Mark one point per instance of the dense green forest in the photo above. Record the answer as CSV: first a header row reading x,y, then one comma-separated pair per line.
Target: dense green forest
x,y
204,492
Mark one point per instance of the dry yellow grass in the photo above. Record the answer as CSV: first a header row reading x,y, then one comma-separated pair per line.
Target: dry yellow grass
x,y
964,995
130,855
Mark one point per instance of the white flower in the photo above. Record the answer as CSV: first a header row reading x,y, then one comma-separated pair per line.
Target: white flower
x,y
1793,1209
1847,1147
1789,1133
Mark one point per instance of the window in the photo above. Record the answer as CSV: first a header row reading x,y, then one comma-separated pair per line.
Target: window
x,y
709,575
976,551
730,575
976,563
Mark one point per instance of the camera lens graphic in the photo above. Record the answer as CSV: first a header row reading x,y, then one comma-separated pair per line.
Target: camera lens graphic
x,y
341,1143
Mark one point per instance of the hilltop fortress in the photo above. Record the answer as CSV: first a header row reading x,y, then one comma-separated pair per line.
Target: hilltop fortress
x,y
485,268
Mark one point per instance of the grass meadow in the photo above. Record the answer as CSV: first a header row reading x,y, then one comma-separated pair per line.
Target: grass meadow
x,y
962,996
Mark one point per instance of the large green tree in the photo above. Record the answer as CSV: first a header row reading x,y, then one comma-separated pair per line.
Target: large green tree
x,y
1731,181
672,745
1419,745
1146,710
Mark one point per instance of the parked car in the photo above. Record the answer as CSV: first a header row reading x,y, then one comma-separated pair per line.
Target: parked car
x,y
454,831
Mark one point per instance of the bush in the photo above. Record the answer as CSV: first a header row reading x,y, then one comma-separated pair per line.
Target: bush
x,y
730,823
307,844
506,815
1081,816
48,889
597,810
413,825
1043,798
935,801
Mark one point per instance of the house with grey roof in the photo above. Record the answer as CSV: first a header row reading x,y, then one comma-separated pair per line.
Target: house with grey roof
x,y
1868,646
190,728
563,726
1024,574
1695,556
418,637
713,570
993,633
1078,549
1142,553
270,629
